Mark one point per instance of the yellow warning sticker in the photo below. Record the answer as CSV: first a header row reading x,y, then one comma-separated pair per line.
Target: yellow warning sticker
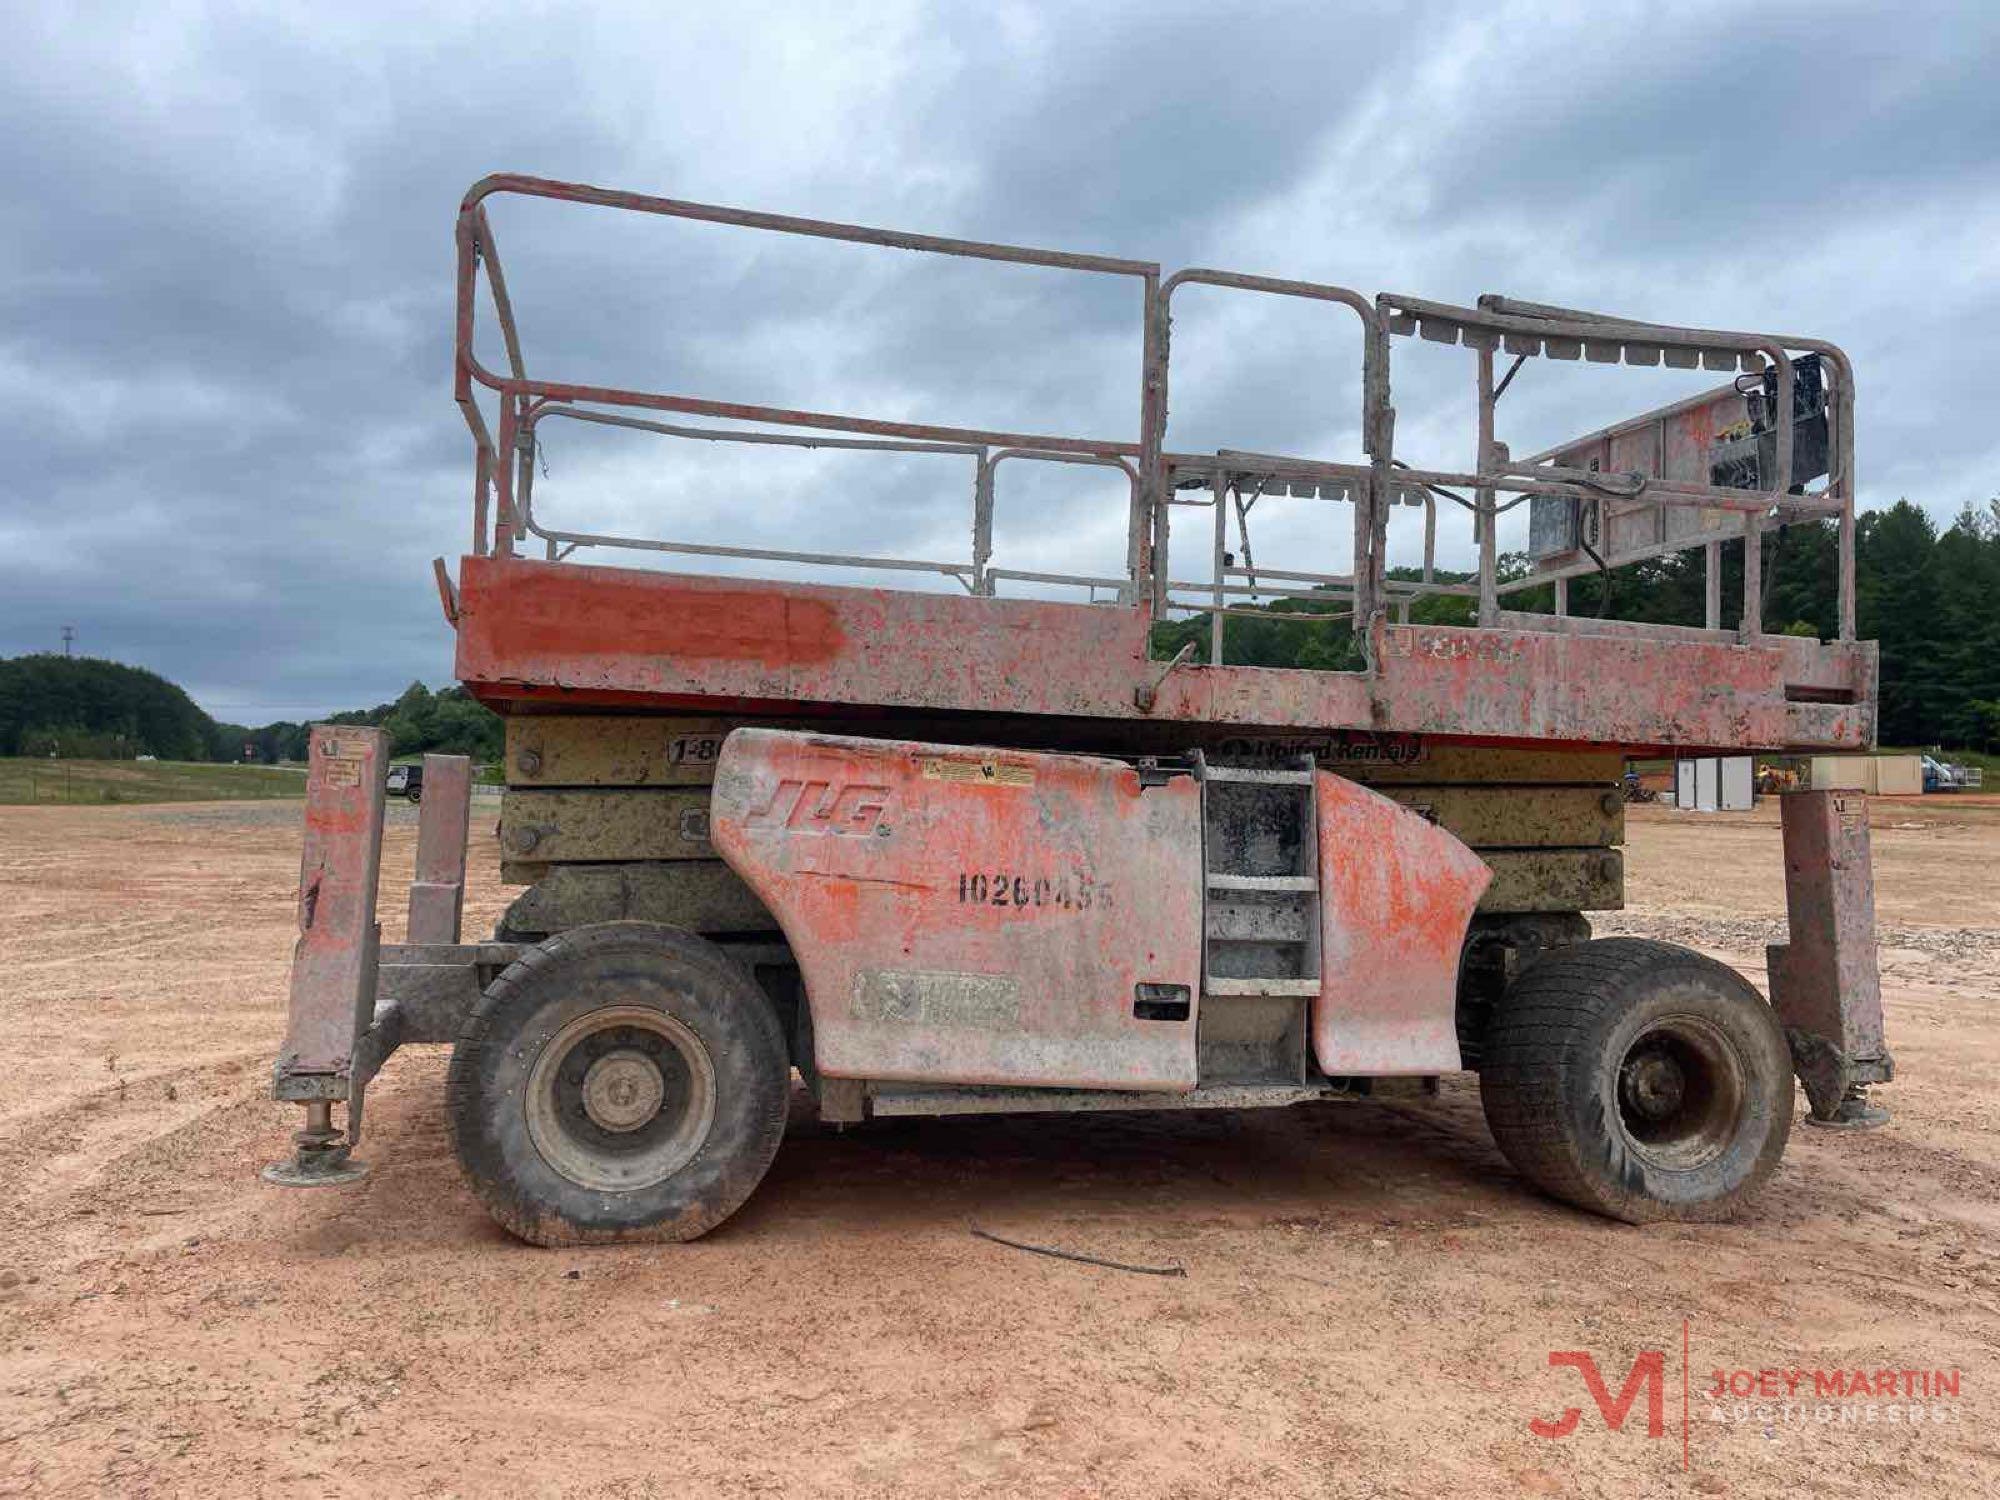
x,y
342,771
979,772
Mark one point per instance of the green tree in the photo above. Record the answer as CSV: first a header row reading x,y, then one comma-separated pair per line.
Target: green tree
x,y
1896,581
1964,633
87,707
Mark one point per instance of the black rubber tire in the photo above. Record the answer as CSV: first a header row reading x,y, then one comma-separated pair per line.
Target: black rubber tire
x,y
565,977
1551,1080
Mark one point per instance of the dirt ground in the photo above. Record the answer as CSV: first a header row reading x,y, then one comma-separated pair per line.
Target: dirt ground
x,y
1370,1303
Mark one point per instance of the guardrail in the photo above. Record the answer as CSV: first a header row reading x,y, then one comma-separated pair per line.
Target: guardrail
x,y
503,499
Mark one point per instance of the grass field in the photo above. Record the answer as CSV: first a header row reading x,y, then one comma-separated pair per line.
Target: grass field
x,y
25,780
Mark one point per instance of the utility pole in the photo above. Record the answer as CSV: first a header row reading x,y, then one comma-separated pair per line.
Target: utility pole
x,y
69,640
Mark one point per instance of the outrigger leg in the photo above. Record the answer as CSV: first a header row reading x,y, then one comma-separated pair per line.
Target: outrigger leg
x,y
1825,985
335,1040
333,965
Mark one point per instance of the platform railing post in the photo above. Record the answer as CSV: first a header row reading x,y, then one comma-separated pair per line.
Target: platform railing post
x,y
1218,488
982,524
1153,357
437,893
334,962
1753,576
1843,416
1487,517
1825,985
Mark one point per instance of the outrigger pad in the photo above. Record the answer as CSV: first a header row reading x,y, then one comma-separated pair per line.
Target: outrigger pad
x,y
320,1158
310,1171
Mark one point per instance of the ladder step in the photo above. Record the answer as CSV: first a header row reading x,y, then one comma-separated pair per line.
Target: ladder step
x,y
1259,919
1223,988
1254,774
1307,883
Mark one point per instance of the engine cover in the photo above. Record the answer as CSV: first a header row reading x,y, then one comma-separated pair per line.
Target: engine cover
x,y
983,916
974,915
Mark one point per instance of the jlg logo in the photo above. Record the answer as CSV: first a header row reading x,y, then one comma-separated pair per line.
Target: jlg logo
x,y
1648,1375
823,807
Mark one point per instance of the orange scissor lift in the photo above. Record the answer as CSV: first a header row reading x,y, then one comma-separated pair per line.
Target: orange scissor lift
x,y
964,848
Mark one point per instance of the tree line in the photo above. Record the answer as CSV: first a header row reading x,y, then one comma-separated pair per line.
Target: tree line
x,y
452,722
87,709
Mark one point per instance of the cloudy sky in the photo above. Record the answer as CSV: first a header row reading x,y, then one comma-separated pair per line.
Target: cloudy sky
x,y
225,261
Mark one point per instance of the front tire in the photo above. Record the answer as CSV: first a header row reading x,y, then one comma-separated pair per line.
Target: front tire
x,y
1639,1080
623,1081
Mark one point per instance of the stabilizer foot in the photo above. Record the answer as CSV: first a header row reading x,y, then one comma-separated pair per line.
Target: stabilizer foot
x,y
319,1155
1854,1112
316,1171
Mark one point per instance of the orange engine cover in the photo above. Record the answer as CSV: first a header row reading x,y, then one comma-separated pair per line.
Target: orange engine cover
x,y
998,916
972,915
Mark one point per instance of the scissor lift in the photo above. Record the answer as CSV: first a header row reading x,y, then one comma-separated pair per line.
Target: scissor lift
x,y
977,849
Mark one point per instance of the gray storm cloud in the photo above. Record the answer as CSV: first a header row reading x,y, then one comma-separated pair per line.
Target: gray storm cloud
x,y
225,346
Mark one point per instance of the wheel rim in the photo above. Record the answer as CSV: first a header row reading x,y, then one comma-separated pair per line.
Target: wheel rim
x,y
1681,1089
621,1099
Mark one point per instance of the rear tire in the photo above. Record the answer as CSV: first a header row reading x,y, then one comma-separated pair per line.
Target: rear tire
x,y
1639,1080
623,1081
